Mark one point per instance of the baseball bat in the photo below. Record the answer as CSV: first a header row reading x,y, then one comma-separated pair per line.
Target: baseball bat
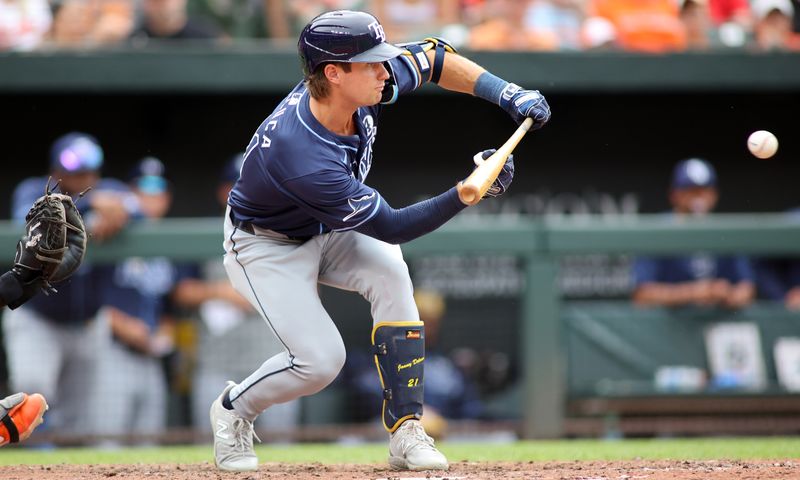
x,y
479,181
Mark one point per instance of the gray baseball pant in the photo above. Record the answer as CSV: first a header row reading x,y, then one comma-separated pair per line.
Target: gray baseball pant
x,y
279,277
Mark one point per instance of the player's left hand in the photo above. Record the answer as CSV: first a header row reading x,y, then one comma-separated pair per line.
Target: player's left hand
x,y
503,180
522,104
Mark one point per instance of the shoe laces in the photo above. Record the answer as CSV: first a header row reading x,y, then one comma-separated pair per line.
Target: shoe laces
x,y
415,436
243,434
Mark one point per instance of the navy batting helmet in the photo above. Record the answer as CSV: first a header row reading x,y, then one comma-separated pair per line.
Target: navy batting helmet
x,y
343,36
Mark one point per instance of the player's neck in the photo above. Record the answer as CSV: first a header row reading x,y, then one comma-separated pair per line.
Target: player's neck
x,y
333,115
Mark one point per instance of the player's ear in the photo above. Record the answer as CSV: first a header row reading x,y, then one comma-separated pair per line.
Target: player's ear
x,y
333,73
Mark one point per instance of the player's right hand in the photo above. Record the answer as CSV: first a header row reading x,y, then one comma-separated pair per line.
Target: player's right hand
x,y
522,104
503,180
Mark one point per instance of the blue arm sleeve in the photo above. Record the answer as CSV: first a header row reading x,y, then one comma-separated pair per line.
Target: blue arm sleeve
x,y
403,225
645,270
743,270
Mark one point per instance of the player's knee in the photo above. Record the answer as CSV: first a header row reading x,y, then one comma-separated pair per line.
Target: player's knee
x,y
326,363
392,275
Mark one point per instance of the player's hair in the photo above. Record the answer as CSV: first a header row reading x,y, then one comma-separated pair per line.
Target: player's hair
x,y
317,83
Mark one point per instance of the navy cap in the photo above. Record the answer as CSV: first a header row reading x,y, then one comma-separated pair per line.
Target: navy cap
x,y
230,172
694,172
76,152
148,177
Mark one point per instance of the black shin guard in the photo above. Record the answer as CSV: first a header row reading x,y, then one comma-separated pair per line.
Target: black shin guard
x,y
399,349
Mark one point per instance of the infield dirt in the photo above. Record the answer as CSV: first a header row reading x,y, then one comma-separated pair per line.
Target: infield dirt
x,y
584,470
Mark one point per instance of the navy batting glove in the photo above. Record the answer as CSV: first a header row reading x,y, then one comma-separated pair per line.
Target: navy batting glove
x,y
505,177
522,104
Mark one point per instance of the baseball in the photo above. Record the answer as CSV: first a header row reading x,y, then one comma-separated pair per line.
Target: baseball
x,y
762,144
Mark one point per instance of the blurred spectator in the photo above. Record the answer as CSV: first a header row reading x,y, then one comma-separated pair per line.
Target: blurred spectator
x,y
500,27
92,23
52,341
778,279
242,19
700,279
598,33
232,339
131,393
555,24
411,20
300,12
733,20
23,23
170,20
643,25
449,394
696,18
773,28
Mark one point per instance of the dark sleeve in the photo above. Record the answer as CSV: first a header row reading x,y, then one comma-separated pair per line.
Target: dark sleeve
x,y
743,270
403,225
645,270
14,291
769,279
794,273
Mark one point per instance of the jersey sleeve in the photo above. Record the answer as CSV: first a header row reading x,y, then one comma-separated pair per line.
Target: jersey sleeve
x,y
645,270
23,197
333,197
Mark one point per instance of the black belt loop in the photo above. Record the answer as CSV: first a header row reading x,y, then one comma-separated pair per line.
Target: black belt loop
x,y
243,226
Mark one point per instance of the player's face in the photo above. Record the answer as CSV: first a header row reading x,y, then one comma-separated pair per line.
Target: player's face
x,y
154,205
697,201
363,84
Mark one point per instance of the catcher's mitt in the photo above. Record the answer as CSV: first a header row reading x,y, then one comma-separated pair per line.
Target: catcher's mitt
x,y
55,238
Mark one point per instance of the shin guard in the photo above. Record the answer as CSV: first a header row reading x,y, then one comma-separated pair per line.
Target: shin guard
x,y
399,349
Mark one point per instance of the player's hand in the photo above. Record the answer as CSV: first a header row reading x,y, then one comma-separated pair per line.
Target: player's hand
x,y
522,104
503,180
108,216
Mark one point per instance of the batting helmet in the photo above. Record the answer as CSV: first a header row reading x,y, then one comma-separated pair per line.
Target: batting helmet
x,y
343,36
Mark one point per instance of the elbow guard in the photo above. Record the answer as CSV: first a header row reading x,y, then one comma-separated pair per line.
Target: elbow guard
x,y
417,52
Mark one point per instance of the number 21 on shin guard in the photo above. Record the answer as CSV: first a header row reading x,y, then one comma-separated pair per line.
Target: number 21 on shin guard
x,y
399,349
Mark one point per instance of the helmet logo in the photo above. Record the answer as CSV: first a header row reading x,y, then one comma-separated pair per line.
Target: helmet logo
x,y
377,30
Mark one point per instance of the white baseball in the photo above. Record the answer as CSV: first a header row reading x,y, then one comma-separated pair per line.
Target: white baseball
x,y
762,144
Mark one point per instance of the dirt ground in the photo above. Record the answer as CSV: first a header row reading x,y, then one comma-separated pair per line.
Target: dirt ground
x,y
594,470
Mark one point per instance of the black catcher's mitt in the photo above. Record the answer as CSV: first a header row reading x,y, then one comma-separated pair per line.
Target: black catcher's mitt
x,y
55,238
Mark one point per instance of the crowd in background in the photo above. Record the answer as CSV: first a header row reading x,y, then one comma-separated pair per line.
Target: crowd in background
x,y
506,25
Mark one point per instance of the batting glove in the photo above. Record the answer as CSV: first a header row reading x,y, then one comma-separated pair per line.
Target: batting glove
x,y
522,104
503,180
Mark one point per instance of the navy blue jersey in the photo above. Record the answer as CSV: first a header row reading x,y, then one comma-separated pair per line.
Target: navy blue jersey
x,y
300,179
77,299
140,287
735,269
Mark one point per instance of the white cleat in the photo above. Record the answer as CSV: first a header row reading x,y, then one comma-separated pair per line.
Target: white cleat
x,y
410,448
233,438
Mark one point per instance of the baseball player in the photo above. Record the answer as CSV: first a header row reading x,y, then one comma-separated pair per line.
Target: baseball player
x,y
301,214
50,251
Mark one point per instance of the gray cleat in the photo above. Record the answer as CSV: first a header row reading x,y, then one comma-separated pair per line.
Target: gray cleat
x,y
233,438
410,448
